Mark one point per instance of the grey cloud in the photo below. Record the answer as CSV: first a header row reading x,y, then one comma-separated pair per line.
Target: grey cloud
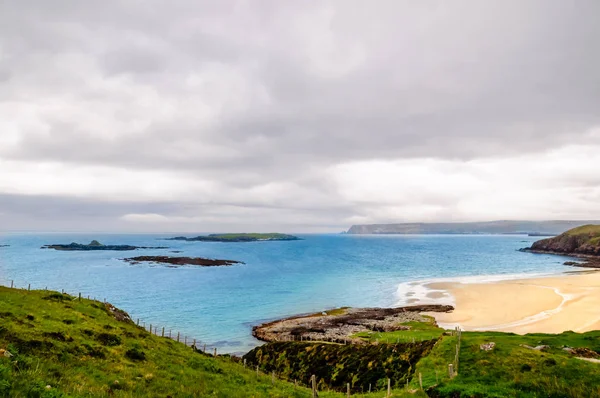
x,y
249,93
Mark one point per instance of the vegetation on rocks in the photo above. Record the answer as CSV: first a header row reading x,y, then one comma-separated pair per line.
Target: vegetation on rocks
x,y
335,365
584,240
252,237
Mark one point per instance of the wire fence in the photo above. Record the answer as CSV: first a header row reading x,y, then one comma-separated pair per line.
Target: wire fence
x,y
153,328
201,346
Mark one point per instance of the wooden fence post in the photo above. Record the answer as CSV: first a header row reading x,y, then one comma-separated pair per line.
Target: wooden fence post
x,y
178,337
389,391
450,370
163,332
273,377
215,351
204,348
185,340
150,328
244,362
420,381
29,287
369,388
12,284
79,296
348,390
256,368
313,380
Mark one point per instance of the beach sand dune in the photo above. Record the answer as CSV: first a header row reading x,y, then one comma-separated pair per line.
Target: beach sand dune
x,y
539,305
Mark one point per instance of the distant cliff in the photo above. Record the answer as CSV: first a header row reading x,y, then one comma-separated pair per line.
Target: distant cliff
x,y
582,241
553,227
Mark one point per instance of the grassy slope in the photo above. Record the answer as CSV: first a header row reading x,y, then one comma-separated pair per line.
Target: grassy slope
x,y
71,346
510,370
582,240
419,331
79,349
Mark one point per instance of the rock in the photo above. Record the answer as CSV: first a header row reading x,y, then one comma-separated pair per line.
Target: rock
x,y
487,346
340,324
582,352
237,238
536,348
95,245
204,262
5,353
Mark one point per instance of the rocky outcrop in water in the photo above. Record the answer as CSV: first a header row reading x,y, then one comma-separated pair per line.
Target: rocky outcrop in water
x,y
236,238
95,245
176,261
583,242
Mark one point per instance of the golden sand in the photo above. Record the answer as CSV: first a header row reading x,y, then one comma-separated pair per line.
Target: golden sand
x,y
545,305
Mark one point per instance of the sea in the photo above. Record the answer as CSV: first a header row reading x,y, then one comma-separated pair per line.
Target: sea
x,y
218,306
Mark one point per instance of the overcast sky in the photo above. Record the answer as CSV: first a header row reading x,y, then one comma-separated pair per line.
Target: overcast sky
x,y
190,115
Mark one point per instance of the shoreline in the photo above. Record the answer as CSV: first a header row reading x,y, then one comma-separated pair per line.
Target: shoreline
x,y
551,303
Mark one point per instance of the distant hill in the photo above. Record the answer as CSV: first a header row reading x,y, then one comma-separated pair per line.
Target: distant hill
x,y
584,240
553,227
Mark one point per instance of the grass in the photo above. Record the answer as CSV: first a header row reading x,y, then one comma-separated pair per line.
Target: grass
x,y
258,236
418,331
62,347
511,370
589,229
79,349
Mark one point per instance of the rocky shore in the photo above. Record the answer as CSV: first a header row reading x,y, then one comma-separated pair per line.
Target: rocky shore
x,y
581,242
237,238
341,324
95,245
177,261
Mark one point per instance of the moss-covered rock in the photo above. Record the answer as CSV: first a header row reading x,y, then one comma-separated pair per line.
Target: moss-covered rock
x,y
335,365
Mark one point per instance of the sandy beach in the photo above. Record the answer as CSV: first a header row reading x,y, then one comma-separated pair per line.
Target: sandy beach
x,y
547,304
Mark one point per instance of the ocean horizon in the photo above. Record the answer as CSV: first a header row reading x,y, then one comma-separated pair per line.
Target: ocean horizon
x,y
219,305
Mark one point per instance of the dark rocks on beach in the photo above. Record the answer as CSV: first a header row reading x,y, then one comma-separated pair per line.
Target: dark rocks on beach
x,y
203,262
339,325
95,245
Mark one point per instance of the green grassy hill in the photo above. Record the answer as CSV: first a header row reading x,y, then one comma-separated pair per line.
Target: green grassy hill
x,y
53,345
581,240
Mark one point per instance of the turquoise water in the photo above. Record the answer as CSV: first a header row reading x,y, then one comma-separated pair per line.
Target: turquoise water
x,y
219,305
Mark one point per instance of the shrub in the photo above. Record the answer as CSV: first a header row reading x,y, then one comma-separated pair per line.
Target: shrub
x,y
109,339
135,354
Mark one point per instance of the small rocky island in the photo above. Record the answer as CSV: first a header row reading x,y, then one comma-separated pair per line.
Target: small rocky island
x,y
582,242
177,261
237,238
343,324
4,245
95,245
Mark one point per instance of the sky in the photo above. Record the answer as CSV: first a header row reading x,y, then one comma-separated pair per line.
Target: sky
x,y
296,116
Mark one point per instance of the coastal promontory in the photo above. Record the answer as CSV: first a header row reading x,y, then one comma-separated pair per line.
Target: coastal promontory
x,y
582,242
94,246
236,237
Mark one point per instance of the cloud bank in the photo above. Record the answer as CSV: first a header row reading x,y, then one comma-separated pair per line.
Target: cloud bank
x,y
311,116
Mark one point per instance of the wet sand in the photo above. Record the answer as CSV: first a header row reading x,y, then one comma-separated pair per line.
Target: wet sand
x,y
545,304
